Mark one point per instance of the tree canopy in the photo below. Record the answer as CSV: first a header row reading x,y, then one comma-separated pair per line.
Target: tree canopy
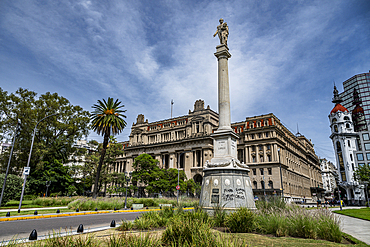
x,y
106,119
54,137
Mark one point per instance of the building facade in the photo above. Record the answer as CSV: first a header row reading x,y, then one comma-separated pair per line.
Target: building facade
x,y
361,83
329,174
264,144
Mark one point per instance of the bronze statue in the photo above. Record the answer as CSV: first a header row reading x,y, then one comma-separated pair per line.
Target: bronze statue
x,y
222,31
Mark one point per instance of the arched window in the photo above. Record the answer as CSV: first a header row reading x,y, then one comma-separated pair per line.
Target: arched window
x,y
348,126
339,149
335,128
255,184
349,143
334,120
346,118
271,185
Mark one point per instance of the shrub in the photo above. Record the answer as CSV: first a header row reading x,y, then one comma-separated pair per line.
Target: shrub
x,y
126,225
13,187
273,223
186,230
219,216
242,220
133,241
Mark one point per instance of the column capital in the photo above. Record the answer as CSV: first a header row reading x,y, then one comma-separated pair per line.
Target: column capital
x,y
222,51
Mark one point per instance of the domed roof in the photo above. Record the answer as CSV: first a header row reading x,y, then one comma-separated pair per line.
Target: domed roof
x,y
358,109
339,107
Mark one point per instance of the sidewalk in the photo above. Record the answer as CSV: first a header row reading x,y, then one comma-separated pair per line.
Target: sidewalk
x,y
29,209
357,228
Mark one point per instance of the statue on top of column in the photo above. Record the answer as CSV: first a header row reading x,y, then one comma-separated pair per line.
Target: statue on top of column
x,y
223,32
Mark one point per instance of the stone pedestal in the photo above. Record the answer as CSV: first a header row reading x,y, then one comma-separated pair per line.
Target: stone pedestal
x,y
227,188
226,182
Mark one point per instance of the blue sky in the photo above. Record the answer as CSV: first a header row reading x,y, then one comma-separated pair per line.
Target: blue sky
x,y
285,55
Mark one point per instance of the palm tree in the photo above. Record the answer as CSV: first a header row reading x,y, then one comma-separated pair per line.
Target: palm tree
x,y
107,120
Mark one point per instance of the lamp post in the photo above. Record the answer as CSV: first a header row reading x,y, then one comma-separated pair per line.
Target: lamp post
x,y
29,159
10,158
178,175
281,177
128,178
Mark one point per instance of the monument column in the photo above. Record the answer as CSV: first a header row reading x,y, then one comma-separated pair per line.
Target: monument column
x,y
223,55
225,182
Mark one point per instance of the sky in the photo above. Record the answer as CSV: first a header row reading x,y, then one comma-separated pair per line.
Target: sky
x,y
286,56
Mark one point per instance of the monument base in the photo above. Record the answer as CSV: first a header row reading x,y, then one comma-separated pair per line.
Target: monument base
x,y
229,189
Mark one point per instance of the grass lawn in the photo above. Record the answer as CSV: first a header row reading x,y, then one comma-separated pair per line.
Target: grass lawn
x,y
361,213
25,204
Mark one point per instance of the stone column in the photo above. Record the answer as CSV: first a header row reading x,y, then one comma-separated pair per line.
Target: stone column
x,y
223,55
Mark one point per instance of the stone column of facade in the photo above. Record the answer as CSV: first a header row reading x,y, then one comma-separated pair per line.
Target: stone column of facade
x,y
225,182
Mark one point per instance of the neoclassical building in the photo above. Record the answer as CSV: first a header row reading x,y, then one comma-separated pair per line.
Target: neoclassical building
x,y
329,174
264,144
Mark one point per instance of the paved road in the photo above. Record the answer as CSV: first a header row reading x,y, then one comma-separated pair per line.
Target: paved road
x,y
357,228
23,228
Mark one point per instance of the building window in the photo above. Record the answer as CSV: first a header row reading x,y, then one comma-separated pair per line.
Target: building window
x,y
269,170
271,185
347,126
269,158
268,146
350,155
353,167
255,184
339,149
253,148
346,118
368,156
254,171
263,184
261,158
259,135
254,159
252,136
267,134
365,136
360,157
334,120
260,147
349,143
359,146
367,146
261,171
335,128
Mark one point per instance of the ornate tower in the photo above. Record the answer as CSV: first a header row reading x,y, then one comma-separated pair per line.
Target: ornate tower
x,y
344,137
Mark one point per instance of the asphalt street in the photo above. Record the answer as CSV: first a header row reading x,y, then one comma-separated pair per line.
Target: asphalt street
x,y
23,228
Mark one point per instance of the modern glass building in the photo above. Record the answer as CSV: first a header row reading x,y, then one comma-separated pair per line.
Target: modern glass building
x,y
361,83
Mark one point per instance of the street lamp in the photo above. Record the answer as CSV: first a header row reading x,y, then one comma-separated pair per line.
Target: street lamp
x,y
281,177
10,158
128,178
29,159
178,175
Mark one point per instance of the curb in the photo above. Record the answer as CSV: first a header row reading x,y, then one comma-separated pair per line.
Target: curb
x,y
71,214
76,214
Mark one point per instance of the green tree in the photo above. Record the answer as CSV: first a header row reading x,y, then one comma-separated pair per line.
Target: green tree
x,y
13,187
156,180
362,173
107,119
55,136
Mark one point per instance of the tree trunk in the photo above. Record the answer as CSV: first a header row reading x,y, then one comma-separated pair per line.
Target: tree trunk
x,y
102,154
